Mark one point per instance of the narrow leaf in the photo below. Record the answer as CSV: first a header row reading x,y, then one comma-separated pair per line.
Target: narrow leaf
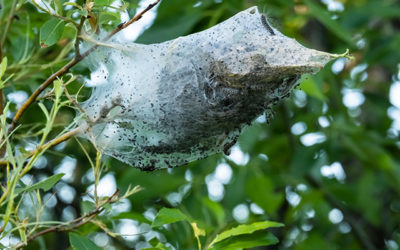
x,y
81,243
73,4
216,209
108,17
133,216
51,32
311,88
153,242
87,207
257,239
58,88
157,245
6,80
3,67
102,2
246,229
46,184
168,215
44,109
83,12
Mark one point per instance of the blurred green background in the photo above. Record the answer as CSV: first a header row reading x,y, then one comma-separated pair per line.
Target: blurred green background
x,y
327,165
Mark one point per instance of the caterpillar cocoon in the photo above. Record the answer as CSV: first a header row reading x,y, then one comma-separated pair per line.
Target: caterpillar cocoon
x,y
185,99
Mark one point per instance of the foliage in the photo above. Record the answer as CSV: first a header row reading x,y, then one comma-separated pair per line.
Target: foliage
x,y
327,166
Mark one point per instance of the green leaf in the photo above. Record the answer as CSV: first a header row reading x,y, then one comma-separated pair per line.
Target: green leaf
x,y
22,234
3,67
315,241
366,192
311,88
107,207
248,241
44,109
87,207
133,216
154,241
58,88
6,80
216,209
103,2
168,215
46,184
73,4
246,229
81,243
50,32
303,161
156,245
83,12
106,17
270,200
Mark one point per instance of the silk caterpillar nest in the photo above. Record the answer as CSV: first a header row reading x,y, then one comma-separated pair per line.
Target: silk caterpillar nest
x,y
163,105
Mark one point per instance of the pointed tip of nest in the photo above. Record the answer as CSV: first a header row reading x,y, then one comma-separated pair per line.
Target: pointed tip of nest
x,y
346,55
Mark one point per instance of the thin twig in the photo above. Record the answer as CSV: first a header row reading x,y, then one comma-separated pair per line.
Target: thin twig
x,y
69,65
74,223
78,39
134,19
51,143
